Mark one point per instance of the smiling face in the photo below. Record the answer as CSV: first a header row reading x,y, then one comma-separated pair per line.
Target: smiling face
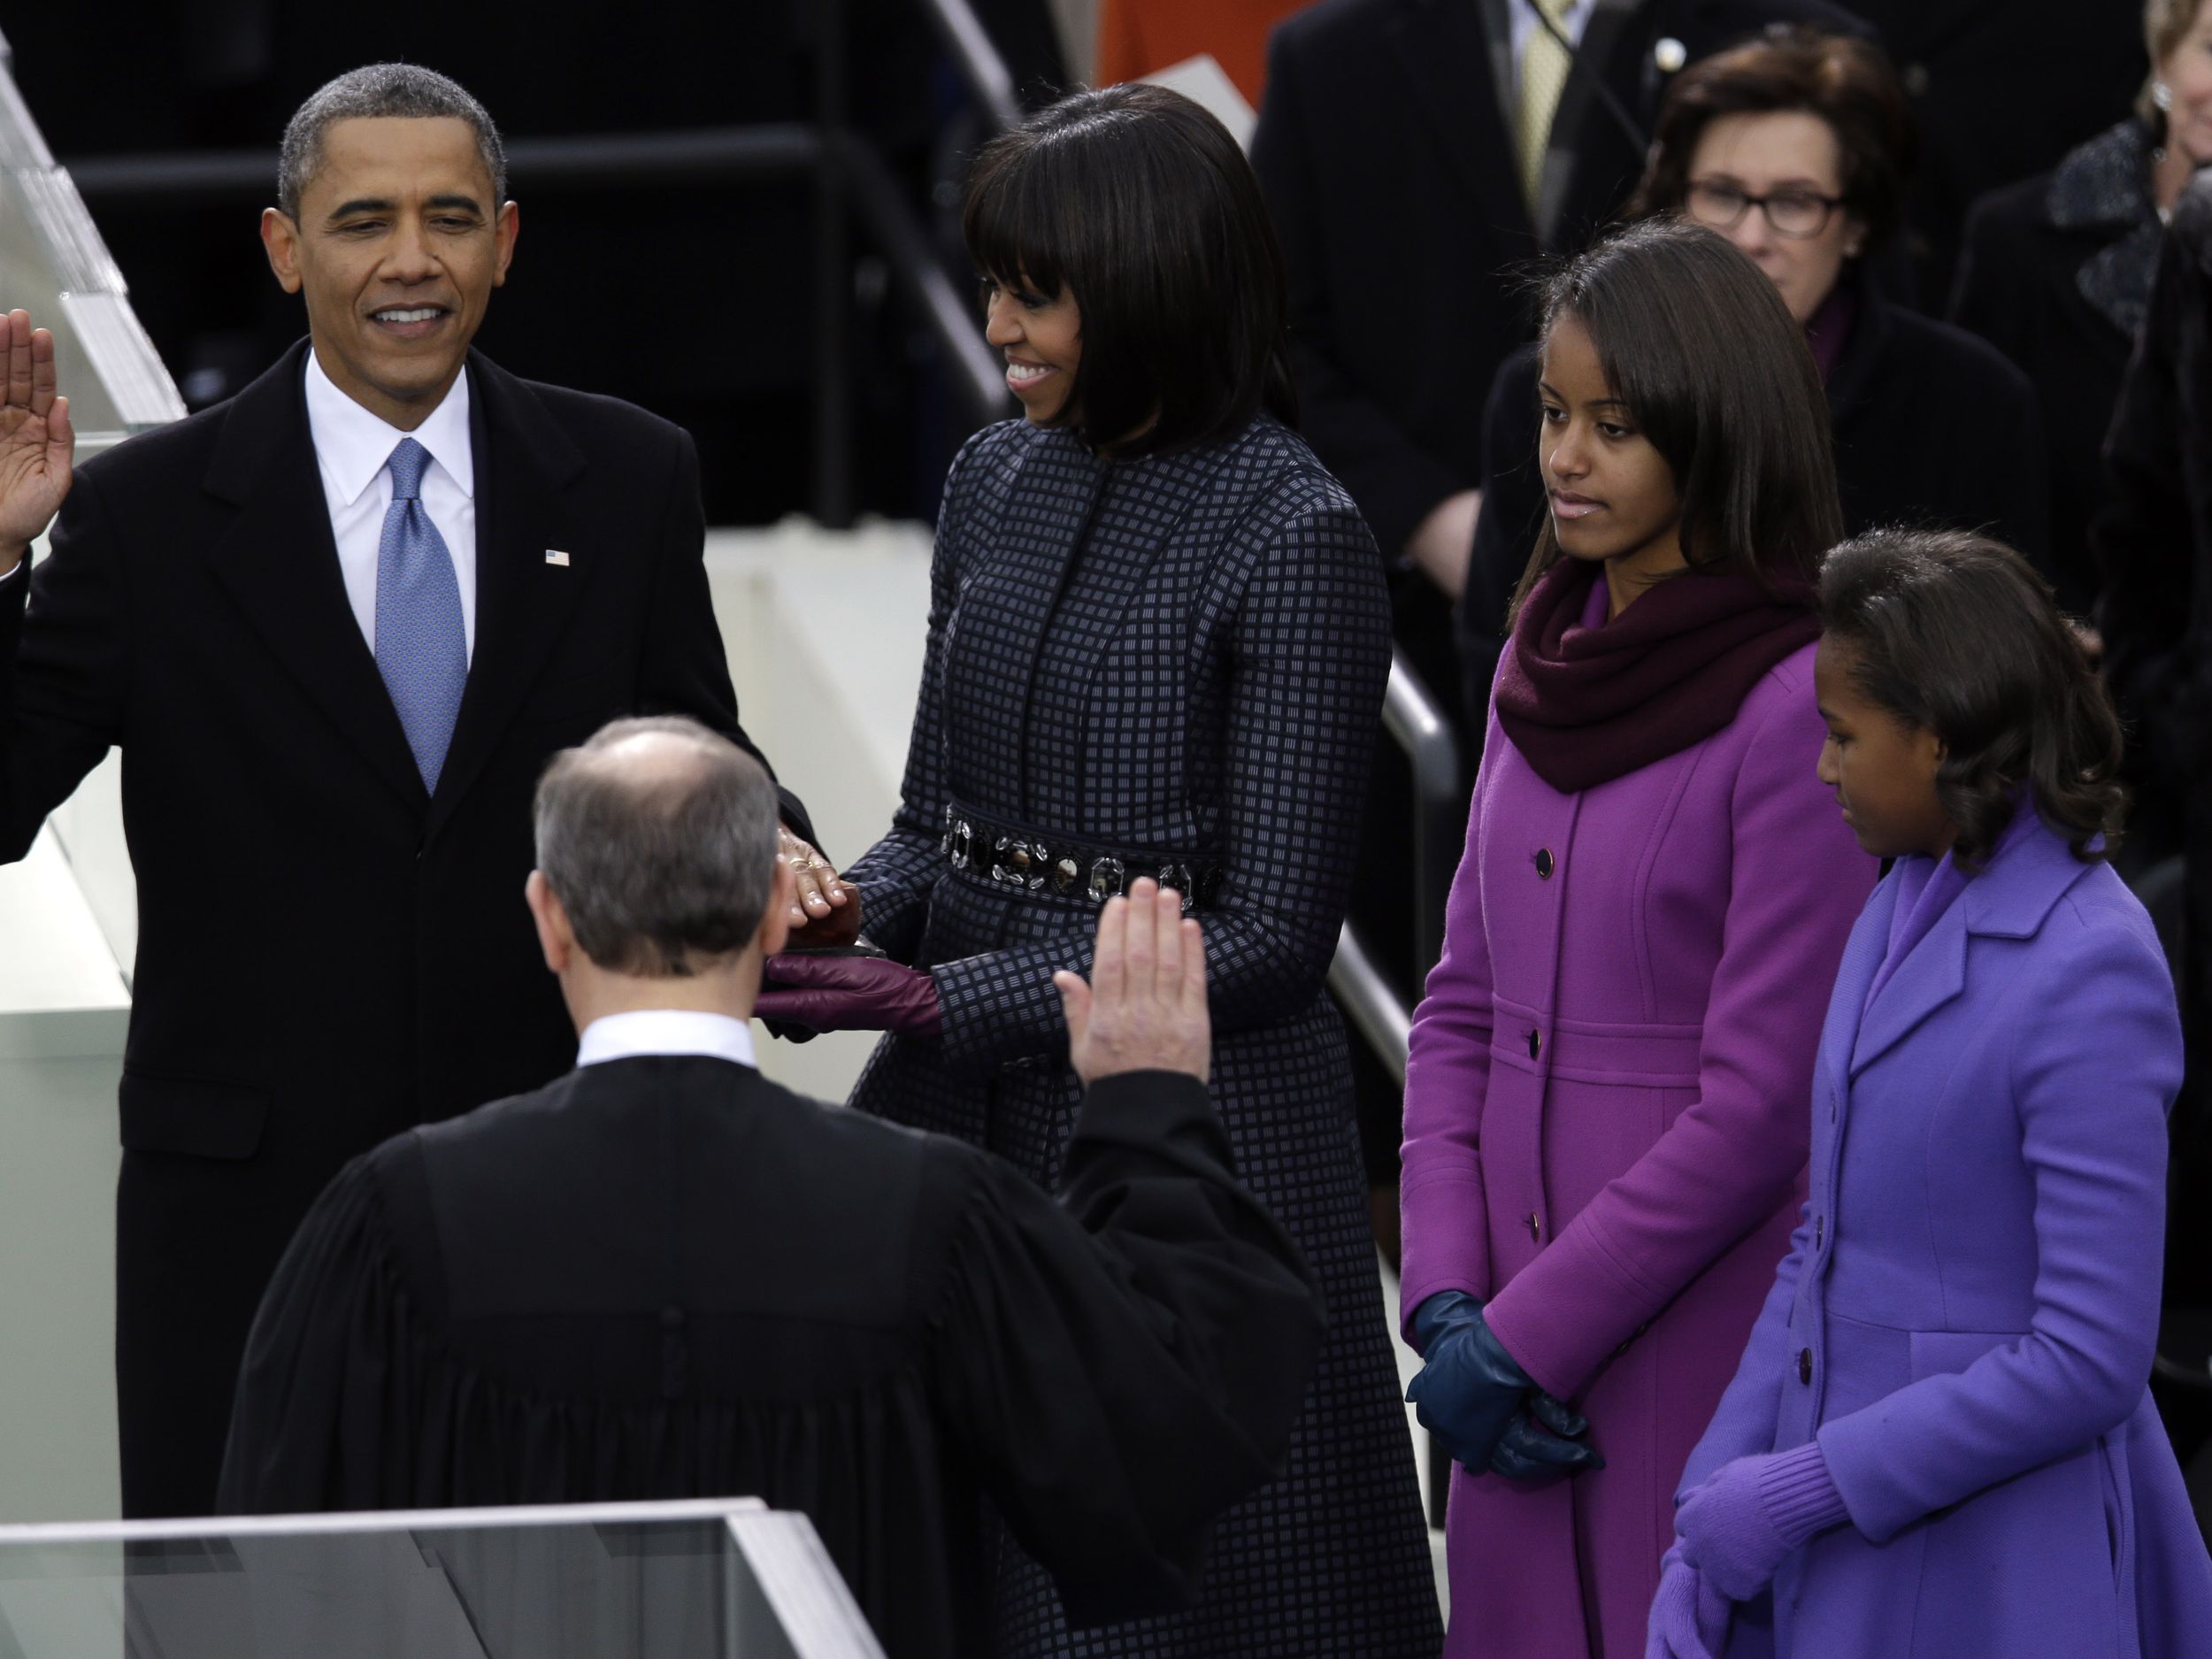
x,y
1790,158
1882,769
2187,72
397,248
1613,495
1043,343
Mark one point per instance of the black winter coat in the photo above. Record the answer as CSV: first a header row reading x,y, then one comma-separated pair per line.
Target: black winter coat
x,y
2154,547
1933,426
2056,274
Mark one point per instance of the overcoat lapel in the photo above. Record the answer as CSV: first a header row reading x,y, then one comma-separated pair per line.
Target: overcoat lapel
x,y
2030,871
1598,56
1863,956
280,564
1442,47
1932,974
524,464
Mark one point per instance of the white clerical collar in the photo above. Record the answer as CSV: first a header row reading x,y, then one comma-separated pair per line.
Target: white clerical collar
x,y
353,444
662,1030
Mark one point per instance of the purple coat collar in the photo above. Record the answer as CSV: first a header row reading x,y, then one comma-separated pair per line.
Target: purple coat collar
x,y
2031,869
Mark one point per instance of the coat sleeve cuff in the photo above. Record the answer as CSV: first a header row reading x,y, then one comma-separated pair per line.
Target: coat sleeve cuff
x,y
1800,1494
1580,1314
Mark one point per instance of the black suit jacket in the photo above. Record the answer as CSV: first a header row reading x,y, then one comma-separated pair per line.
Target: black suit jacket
x,y
1385,151
327,953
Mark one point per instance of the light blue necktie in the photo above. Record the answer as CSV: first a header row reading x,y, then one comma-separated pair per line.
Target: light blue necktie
x,y
421,649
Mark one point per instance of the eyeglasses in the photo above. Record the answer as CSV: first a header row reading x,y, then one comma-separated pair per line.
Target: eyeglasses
x,y
1797,214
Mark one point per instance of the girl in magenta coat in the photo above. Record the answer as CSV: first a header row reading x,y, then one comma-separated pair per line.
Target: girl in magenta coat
x,y
1940,1442
1607,1098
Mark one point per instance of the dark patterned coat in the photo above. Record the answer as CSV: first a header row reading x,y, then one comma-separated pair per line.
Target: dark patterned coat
x,y
1182,655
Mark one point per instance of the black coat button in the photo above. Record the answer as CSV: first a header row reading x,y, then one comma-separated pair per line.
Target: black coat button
x,y
1545,864
1804,1364
1535,1044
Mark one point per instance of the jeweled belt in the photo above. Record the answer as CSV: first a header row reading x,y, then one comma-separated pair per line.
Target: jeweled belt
x,y
1021,857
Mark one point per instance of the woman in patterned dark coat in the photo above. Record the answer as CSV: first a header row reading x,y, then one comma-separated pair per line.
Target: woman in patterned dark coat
x,y
1159,639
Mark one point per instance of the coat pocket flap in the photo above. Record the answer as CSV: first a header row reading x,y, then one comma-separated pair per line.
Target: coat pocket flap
x,y
192,1116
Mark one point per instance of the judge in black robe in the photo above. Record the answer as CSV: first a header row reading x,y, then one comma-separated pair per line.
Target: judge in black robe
x,y
664,1276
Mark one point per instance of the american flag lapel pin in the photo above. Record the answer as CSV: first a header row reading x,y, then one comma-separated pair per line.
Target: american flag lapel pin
x,y
554,556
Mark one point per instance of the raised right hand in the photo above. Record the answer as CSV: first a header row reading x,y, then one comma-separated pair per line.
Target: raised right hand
x,y
36,445
1144,1008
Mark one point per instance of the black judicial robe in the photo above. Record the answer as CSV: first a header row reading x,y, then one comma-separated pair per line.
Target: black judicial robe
x,y
668,1277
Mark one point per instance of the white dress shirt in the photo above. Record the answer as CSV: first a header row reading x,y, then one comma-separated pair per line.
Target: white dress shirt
x,y
660,1031
1523,14
353,448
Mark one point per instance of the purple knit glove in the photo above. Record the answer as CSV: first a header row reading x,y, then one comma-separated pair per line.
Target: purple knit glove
x,y
1741,1525
848,994
1689,1619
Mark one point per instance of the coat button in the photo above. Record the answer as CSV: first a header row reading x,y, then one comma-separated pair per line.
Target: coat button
x,y
1804,1364
1545,864
1535,1044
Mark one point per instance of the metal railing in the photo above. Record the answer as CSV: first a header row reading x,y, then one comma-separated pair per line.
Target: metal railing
x,y
1415,723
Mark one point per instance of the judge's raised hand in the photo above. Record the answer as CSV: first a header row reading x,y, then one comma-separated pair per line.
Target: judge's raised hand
x,y
1144,1009
36,444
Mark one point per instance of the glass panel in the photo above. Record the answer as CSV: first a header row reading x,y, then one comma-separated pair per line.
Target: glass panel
x,y
54,266
617,1581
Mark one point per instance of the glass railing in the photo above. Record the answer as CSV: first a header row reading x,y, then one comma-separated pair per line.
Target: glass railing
x,y
716,1579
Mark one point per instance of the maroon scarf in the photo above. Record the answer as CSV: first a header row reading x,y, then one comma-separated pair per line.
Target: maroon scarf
x,y
1585,705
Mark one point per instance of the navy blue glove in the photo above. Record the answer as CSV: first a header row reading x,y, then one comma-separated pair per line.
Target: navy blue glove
x,y
1543,1442
1469,1389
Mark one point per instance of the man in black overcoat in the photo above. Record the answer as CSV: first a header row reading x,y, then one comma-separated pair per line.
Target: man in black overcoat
x,y
334,677
2153,548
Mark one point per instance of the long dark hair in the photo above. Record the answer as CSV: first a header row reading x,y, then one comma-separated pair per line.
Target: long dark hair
x,y
1140,202
1696,340
1956,634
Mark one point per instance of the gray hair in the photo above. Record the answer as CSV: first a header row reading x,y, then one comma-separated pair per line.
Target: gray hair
x,y
662,855
372,92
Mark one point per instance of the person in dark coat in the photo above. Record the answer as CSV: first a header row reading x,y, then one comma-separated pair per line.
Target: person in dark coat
x,y
2000,89
2055,270
528,556
1796,148
1157,640
664,1277
2153,548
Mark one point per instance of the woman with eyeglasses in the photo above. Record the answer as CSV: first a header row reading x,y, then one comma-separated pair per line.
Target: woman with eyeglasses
x,y
1796,147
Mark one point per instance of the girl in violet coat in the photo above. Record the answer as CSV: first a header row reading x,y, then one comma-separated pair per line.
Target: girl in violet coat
x,y
1606,1094
1940,1441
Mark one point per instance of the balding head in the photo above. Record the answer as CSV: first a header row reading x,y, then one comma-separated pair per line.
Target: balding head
x,y
658,837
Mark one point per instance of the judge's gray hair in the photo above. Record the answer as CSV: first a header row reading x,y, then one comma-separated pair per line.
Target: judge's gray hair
x,y
663,852
373,92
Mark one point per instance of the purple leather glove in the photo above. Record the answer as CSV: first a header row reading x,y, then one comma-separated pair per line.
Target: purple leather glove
x,y
1741,1525
1689,1619
848,994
